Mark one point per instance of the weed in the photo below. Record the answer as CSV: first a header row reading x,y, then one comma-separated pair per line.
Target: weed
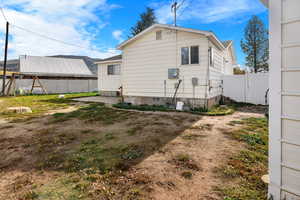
x,y
88,131
132,153
192,136
187,175
247,167
133,131
109,136
186,162
31,195
134,193
203,127
182,157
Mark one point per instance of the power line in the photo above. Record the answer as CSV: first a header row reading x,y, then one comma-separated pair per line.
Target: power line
x,y
51,38
43,35
2,11
182,10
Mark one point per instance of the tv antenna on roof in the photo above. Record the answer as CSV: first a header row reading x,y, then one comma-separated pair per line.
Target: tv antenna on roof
x,y
174,8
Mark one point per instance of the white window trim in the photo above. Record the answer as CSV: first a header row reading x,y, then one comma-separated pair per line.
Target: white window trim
x,y
190,55
107,66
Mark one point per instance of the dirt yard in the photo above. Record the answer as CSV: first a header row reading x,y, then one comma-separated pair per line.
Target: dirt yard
x,y
94,152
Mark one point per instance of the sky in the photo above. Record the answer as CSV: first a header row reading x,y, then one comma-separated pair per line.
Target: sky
x,y
95,27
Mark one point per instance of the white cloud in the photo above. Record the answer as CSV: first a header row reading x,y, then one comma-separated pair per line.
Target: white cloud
x,y
209,11
74,22
118,35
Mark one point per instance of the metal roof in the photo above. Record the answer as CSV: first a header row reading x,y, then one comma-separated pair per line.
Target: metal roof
x,y
51,65
90,62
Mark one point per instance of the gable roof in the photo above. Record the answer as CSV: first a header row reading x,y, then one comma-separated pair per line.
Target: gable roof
x,y
116,58
209,34
227,43
51,65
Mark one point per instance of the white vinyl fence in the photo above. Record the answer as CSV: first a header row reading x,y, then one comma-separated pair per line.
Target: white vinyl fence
x,y
248,88
58,86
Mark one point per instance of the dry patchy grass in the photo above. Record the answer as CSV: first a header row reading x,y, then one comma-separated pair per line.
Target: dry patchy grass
x,y
245,169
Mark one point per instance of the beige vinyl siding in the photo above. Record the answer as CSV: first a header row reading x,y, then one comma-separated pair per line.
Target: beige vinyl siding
x,y
108,82
228,68
146,62
216,72
290,99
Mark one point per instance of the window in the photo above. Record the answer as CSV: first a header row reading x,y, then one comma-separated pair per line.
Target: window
x,y
194,55
185,56
173,73
158,35
113,69
211,56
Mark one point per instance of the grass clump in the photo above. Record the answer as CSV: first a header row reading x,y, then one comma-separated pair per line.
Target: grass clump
x,y
39,104
184,161
187,175
214,111
143,107
94,113
245,169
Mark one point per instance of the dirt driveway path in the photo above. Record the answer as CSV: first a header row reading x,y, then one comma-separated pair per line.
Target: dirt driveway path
x,y
207,145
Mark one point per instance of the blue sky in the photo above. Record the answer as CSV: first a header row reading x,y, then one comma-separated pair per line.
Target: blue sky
x,y
94,28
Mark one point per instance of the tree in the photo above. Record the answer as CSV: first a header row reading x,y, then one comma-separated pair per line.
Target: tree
x,y
147,19
238,71
256,45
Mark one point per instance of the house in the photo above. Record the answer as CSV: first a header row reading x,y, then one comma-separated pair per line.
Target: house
x,y
284,144
57,75
165,61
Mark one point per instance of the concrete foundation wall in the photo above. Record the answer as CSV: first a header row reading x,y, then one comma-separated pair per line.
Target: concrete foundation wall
x,y
164,101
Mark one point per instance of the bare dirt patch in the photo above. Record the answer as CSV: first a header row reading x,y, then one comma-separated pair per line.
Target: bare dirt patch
x,y
120,155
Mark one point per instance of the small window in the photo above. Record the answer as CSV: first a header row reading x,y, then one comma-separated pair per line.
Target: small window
x,y
211,56
185,56
158,35
113,69
173,73
194,55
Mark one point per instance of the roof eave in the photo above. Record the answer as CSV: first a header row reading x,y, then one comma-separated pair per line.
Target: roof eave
x,y
265,2
206,33
108,61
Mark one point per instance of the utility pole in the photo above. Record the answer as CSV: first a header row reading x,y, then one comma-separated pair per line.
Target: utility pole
x,y
174,9
5,58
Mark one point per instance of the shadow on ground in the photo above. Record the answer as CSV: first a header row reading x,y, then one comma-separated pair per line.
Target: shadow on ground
x,y
83,153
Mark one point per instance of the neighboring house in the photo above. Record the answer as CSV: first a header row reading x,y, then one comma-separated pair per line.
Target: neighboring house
x,y
155,61
58,75
284,144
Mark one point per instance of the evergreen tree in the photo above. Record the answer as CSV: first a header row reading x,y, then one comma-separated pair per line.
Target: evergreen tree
x,y
147,19
256,45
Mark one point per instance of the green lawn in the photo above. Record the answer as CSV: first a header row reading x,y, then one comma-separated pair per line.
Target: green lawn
x,y
39,104
244,170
